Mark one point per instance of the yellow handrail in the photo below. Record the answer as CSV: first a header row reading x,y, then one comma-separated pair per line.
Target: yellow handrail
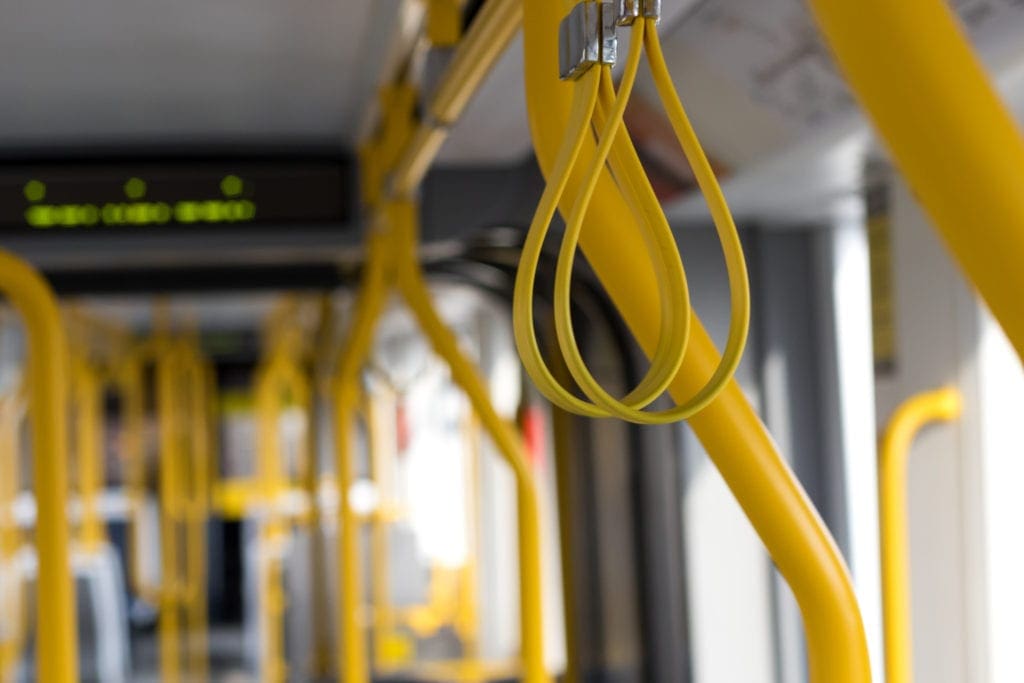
x,y
15,605
46,377
913,70
942,405
279,374
392,263
730,430
182,403
196,376
130,383
87,390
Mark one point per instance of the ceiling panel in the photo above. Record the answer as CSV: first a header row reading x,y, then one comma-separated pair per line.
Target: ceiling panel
x,y
158,72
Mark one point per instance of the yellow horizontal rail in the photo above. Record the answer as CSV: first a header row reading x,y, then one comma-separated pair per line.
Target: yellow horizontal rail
x,y
905,424
913,70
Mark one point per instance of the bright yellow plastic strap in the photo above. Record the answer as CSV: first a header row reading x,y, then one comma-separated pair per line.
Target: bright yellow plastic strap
x,y
908,420
615,148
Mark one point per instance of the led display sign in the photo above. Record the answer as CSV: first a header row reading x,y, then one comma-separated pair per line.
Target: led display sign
x,y
148,196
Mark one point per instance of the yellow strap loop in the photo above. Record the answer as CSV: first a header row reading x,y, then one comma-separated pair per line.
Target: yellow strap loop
x,y
595,100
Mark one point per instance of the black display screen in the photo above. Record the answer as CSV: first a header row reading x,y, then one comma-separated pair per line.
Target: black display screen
x,y
137,197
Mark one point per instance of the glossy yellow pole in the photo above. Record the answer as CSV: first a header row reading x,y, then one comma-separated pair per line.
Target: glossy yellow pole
x,y
271,474
909,419
169,428
15,605
913,70
352,664
29,293
195,396
383,617
729,428
88,432
131,386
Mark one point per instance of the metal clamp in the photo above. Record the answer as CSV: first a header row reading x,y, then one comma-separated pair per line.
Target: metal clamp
x,y
628,11
587,37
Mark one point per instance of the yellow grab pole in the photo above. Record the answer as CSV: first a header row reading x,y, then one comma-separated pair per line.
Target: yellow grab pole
x,y
913,70
268,456
88,431
46,341
352,665
729,428
942,405
194,376
170,457
403,219
133,425
15,604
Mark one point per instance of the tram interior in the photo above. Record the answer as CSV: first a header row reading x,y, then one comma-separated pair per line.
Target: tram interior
x,y
293,435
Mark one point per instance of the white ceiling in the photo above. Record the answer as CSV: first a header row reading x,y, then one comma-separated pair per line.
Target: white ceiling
x,y
142,73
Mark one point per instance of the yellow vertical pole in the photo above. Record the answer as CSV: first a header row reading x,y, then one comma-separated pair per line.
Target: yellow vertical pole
x,y
942,405
196,388
912,68
352,664
170,457
28,292
88,431
12,638
131,385
268,457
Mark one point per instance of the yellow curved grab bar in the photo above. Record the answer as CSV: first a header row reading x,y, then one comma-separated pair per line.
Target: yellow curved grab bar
x,y
942,405
913,70
46,377
730,430
392,262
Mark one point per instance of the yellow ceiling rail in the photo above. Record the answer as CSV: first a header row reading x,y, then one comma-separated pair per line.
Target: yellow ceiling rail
x,y
47,380
913,70
482,44
392,263
729,428
943,405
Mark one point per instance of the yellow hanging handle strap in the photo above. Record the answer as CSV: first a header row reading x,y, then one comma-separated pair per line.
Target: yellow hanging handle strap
x,y
596,102
909,419
728,427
